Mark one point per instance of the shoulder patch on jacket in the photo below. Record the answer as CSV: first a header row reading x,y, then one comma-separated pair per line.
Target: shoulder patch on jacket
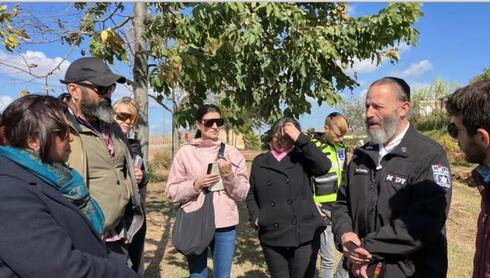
x,y
441,175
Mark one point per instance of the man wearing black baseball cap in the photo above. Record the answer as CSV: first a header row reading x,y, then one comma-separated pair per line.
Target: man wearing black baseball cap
x,y
100,152
90,83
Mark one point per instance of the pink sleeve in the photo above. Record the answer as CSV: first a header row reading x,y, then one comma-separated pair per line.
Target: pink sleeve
x,y
238,187
179,184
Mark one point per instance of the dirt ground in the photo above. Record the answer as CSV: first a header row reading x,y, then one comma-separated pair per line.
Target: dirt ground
x,y
162,260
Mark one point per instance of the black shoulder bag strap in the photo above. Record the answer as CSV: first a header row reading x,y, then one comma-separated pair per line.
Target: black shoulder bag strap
x,y
221,152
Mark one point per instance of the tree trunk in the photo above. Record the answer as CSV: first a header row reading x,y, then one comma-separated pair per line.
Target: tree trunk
x,y
140,75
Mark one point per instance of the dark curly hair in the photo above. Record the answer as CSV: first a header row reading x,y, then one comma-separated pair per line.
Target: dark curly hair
x,y
472,102
276,128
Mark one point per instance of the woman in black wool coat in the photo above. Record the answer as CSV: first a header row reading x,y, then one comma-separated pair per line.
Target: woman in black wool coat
x,y
280,201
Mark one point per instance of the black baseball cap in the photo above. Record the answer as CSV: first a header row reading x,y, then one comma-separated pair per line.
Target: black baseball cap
x,y
91,69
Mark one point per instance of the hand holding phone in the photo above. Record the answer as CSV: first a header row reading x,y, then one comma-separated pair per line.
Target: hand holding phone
x,y
138,161
352,249
205,181
352,244
213,169
210,168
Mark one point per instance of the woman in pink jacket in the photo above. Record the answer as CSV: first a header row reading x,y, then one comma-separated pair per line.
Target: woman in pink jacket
x,y
229,183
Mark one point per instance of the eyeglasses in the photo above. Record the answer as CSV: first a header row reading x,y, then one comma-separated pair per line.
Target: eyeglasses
x,y
452,130
62,133
121,116
100,90
210,122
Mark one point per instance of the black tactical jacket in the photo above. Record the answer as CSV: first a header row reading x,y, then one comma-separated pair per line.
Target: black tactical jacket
x,y
398,210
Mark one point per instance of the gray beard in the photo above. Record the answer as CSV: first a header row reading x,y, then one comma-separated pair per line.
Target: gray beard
x,y
381,135
102,111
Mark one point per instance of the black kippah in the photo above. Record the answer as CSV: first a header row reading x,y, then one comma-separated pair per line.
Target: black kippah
x,y
403,84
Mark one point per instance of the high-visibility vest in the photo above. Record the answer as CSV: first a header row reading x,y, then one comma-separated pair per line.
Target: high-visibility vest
x,y
336,155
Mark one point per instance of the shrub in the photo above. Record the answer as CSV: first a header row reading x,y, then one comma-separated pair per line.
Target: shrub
x,y
252,141
153,176
448,143
441,136
436,121
162,159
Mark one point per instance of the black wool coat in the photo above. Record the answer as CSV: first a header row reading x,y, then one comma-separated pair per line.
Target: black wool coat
x,y
44,235
280,195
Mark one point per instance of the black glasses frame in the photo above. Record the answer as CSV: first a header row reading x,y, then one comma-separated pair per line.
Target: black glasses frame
x,y
210,122
100,90
452,130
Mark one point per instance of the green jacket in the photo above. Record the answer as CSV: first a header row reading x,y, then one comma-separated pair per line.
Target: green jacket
x,y
111,181
336,155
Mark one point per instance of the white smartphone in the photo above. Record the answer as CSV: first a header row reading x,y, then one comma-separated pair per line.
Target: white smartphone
x,y
213,169
138,161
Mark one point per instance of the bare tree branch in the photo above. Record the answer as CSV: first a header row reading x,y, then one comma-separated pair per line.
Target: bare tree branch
x,y
117,26
29,67
110,15
160,103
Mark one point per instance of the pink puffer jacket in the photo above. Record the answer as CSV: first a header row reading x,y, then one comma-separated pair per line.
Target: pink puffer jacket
x,y
191,162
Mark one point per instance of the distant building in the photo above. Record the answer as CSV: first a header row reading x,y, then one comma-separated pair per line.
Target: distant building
x,y
429,106
426,107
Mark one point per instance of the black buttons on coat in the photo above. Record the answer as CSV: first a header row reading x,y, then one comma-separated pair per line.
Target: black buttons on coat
x,y
273,204
290,202
287,181
275,225
269,183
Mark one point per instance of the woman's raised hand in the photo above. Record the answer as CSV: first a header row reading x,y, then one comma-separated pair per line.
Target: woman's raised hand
x,y
290,130
225,168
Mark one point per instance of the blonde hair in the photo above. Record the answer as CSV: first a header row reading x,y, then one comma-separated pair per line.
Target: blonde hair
x,y
339,121
127,102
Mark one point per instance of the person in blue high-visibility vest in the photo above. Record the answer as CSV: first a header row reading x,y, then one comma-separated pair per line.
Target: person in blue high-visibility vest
x,y
325,187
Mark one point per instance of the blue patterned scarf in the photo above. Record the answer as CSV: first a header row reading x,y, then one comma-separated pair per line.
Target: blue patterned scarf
x,y
65,180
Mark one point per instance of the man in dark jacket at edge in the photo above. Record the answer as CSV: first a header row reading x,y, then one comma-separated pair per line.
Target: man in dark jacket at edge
x,y
389,219
469,108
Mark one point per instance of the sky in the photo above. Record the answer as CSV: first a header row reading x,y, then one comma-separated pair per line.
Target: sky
x,y
452,45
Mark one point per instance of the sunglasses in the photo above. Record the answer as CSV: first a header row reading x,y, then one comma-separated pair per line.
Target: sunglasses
x,y
210,122
62,133
100,90
452,130
121,116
